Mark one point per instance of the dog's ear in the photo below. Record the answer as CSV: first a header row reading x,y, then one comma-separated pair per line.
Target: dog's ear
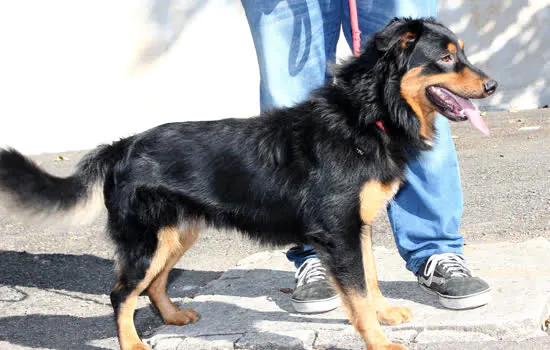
x,y
400,31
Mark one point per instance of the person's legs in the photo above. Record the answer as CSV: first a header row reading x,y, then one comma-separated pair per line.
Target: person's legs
x,y
298,255
426,213
374,15
294,41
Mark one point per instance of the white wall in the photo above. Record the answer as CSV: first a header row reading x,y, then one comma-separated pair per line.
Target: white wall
x,y
509,40
77,73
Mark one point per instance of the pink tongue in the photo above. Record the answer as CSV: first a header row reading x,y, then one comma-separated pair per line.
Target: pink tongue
x,y
474,116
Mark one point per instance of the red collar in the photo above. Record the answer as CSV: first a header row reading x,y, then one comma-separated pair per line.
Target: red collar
x,y
381,125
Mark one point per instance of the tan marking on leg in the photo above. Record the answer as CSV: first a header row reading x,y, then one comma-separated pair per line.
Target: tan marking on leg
x,y
127,334
171,314
168,244
461,44
386,314
361,312
373,197
364,311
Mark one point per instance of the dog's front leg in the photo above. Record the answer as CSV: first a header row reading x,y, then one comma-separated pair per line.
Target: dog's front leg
x,y
373,198
344,259
386,314
361,310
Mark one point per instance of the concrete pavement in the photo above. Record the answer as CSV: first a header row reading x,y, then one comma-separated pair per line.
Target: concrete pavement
x,y
247,307
54,283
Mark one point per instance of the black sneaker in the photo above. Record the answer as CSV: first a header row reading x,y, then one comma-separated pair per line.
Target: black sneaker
x,y
447,276
313,292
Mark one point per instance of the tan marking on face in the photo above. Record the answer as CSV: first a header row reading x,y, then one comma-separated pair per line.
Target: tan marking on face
x,y
461,44
466,83
373,197
451,47
423,110
406,38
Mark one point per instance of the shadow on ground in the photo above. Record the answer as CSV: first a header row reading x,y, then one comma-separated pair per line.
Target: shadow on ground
x,y
63,331
65,274
81,273
91,275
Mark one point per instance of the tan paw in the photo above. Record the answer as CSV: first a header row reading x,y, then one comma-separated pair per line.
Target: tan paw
x,y
183,316
393,315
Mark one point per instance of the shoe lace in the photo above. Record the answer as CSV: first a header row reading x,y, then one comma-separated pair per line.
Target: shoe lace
x,y
310,271
453,264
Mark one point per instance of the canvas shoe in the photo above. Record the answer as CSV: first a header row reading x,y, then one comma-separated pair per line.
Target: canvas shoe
x,y
447,276
313,292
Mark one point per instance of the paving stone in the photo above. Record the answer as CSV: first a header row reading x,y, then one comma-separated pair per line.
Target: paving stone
x,y
450,336
166,343
401,336
279,340
217,342
248,299
9,293
348,338
342,339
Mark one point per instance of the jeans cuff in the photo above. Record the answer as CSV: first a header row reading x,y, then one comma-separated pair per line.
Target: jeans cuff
x,y
413,265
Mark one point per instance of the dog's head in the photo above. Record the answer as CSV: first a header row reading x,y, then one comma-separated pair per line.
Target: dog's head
x,y
422,70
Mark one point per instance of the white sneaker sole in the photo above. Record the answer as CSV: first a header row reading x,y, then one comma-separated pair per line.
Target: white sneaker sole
x,y
461,303
316,306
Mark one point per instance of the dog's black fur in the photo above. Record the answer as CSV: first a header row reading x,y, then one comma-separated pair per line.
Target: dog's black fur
x,y
291,175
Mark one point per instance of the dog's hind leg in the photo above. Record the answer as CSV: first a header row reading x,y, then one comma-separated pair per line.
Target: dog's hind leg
x,y
136,272
171,314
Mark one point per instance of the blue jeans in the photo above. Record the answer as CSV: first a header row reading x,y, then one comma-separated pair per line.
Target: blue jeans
x,y
294,41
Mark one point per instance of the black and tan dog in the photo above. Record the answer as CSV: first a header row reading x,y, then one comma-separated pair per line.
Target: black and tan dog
x,y
316,173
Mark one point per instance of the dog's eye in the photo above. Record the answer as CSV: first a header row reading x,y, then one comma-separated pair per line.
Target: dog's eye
x,y
447,58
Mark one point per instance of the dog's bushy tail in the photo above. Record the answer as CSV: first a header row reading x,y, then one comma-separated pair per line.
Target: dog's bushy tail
x,y
28,191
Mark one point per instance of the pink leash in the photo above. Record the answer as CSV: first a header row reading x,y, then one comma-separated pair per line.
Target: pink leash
x,y
356,35
355,32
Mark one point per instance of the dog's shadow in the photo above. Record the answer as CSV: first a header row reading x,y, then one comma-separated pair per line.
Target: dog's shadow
x,y
87,278
71,282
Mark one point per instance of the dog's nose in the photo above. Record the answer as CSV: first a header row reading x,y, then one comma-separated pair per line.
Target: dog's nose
x,y
490,86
